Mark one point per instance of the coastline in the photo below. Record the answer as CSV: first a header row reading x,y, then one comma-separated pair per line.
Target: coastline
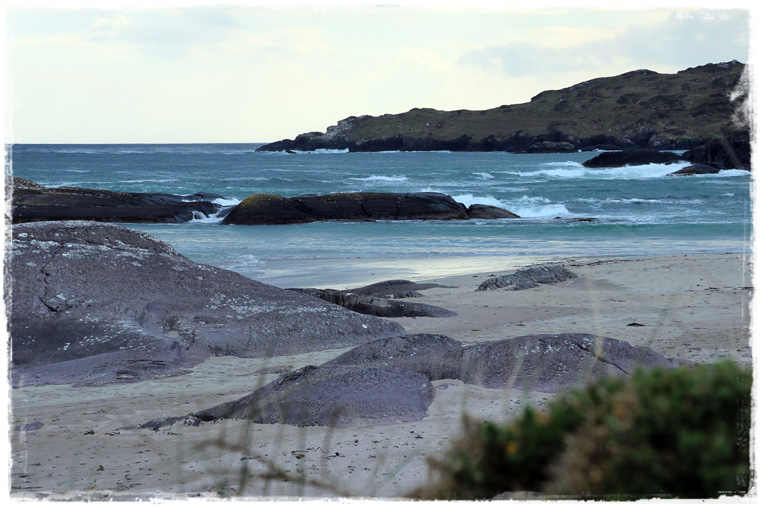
x,y
693,307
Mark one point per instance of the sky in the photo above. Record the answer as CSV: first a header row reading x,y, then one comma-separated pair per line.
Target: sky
x,y
187,72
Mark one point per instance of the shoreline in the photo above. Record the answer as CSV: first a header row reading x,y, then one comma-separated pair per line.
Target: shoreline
x,y
342,274
693,307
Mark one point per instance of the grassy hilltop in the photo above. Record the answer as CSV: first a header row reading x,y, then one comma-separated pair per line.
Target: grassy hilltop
x,y
696,103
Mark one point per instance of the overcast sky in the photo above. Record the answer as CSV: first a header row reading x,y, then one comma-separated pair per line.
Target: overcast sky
x,y
131,72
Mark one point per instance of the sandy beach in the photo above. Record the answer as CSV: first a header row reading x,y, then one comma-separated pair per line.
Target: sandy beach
x,y
82,443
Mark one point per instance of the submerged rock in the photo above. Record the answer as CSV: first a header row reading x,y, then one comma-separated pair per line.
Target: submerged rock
x,y
95,303
528,278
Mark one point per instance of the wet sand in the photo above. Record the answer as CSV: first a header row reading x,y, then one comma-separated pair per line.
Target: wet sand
x,y
82,443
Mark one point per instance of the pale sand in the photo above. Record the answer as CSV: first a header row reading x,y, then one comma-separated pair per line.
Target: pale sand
x,y
692,307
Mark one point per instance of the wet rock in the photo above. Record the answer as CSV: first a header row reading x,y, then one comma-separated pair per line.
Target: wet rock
x,y
697,169
33,203
612,159
484,211
95,303
260,209
528,278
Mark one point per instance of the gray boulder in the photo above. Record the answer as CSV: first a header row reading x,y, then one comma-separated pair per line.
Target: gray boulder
x,y
93,303
551,362
326,396
528,278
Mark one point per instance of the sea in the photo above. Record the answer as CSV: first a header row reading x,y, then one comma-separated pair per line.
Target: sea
x,y
636,210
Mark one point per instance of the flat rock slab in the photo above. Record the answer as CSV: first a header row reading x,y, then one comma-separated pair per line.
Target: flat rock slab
x,y
388,380
377,306
95,303
543,362
529,278
327,396
33,203
551,362
360,206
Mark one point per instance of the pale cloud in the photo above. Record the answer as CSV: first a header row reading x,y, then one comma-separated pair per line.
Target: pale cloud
x,y
430,60
230,74
684,39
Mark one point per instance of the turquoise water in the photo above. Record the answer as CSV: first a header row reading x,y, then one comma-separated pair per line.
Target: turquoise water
x,y
638,210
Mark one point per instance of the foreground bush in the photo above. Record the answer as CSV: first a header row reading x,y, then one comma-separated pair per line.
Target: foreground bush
x,y
680,433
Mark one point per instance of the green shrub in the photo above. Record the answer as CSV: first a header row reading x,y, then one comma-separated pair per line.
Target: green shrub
x,y
662,433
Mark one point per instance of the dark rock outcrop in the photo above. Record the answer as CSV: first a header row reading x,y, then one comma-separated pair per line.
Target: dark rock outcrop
x,y
394,289
484,211
631,157
362,206
375,305
697,169
528,278
388,380
730,152
33,203
95,303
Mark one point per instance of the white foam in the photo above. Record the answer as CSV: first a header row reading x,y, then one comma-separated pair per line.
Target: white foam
x,y
469,199
222,201
538,207
574,170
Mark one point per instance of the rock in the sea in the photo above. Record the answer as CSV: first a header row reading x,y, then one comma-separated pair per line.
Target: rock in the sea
x,y
484,211
611,159
697,169
528,278
327,396
730,152
360,206
95,303
32,203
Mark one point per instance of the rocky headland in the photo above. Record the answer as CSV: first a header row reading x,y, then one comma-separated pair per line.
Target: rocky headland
x,y
640,109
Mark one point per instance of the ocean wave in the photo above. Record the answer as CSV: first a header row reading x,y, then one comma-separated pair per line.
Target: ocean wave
x,y
469,200
223,201
320,151
483,176
573,170
389,179
538,207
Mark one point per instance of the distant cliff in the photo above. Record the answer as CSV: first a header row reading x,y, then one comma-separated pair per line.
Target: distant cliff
x,y
638,109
